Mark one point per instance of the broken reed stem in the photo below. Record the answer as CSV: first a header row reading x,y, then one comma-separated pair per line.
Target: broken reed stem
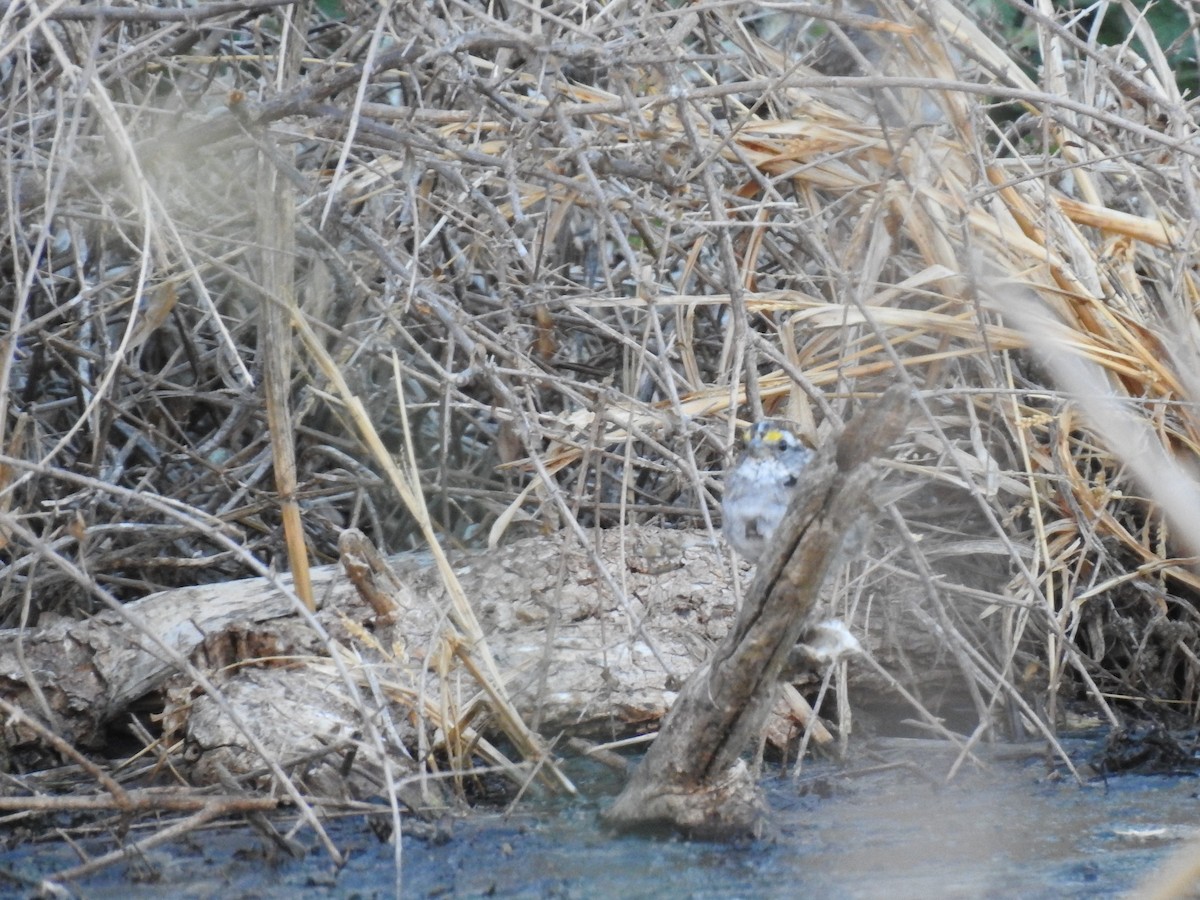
x,y
170,833
141,801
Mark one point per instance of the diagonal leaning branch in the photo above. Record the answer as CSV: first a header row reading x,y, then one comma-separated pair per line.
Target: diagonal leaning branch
x,y
692,778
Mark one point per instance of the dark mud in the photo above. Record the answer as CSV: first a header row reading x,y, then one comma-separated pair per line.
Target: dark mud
x,y
882,825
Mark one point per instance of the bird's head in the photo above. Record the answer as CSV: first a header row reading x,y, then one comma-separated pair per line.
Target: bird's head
x,y
768,437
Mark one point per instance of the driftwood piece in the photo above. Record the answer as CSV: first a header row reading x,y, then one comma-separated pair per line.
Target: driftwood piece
x,y
692,778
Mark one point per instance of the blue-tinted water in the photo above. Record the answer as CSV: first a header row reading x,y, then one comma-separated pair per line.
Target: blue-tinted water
x,y
1013,829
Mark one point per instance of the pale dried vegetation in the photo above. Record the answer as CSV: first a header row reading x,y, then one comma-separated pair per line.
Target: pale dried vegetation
x,y
589,239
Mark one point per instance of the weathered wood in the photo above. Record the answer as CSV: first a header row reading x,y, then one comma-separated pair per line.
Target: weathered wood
x,y
77,676
692,778
577,657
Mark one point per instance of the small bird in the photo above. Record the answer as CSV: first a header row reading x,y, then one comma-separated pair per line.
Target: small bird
x,y
761,485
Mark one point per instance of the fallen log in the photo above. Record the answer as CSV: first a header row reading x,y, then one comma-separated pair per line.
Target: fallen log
x,y
577,658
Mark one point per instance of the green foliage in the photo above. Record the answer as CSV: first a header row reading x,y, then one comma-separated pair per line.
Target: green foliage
x,y
1171,27
332,9
1168,20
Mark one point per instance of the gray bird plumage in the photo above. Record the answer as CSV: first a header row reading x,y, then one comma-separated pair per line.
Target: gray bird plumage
x,y
760,486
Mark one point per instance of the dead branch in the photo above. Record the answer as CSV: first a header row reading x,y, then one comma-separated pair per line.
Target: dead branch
x,y
692,778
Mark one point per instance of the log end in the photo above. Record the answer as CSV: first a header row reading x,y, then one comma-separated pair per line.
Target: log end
x,y
730,808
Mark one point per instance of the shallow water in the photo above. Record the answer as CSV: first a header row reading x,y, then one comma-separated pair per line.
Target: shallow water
x,y
1014,828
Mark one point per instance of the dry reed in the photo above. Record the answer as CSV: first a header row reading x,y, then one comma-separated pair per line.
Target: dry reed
x,y
580,242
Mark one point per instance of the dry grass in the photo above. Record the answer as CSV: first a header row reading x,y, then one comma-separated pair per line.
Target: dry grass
x,y
584,241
